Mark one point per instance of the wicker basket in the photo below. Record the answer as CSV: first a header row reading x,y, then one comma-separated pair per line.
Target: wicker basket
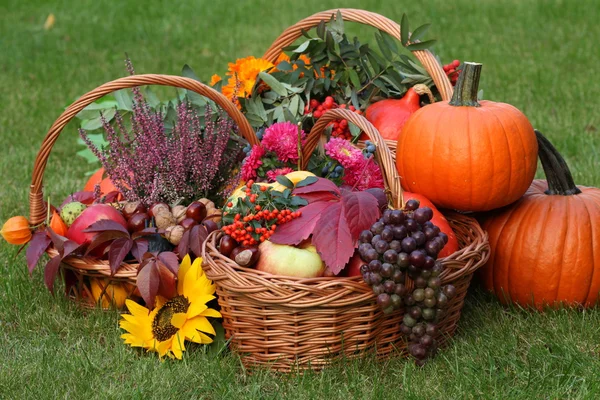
x,y
425,57
77,271
291,323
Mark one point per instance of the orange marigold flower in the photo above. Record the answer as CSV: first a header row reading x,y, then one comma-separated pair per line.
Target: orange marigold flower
x,y
214,79
244,73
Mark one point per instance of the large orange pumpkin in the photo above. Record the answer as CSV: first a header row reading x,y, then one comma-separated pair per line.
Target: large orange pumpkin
x,y
467,155
106,185
545,249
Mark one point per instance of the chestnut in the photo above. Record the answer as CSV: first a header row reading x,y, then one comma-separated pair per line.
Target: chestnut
x,y
138,222
133,207
196,211
226,245
245,256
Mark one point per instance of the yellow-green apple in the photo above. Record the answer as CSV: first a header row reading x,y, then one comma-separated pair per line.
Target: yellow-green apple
x,y
281,259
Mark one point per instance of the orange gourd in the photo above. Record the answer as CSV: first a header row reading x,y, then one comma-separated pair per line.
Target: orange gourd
x,y
94,180
545,249
390,115
16,230
58,225
465,154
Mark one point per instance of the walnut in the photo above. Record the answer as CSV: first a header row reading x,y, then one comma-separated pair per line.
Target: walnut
x,y
164,219
174,234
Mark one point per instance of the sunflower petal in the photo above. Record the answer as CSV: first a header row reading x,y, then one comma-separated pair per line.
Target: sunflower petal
x,y
184,267
211,313
136,309
178,346
201,324
178,320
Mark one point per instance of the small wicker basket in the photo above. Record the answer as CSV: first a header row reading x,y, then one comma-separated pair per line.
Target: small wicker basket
x,y
78,271
290,323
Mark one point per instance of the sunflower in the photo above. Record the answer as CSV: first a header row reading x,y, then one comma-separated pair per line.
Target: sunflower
x,y
165,328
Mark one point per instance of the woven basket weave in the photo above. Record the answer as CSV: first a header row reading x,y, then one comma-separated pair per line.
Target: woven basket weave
x,y
78,268
425,57
291,323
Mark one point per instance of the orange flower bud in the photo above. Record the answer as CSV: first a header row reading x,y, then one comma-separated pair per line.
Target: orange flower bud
x,y
16,230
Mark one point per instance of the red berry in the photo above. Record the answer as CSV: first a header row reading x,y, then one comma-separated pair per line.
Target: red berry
x,y
314,103
317,114
455,63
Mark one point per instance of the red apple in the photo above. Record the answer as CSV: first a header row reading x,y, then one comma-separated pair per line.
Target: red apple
x,y
353,266
93,213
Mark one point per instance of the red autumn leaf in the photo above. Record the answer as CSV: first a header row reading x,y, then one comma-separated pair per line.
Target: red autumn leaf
x,y
37,246
57,240
333,239
321,185
111,197
119,249
361,210
183,247
148,281
51,271
318,196
106,225
167,286
139,248
170,260
301,228
103,237
82,197
198,235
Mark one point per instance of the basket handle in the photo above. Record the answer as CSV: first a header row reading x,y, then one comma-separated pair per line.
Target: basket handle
x,y
425,57
382,152
37,207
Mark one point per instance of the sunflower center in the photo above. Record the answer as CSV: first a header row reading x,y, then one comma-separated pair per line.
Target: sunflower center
x,y
161,325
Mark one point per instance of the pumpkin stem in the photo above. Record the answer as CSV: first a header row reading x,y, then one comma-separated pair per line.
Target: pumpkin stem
x,y
465,92
559,178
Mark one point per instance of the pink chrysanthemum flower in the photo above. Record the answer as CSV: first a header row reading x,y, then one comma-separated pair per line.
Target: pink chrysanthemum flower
x,y
364,175
273,174
282,138
342,151
252,162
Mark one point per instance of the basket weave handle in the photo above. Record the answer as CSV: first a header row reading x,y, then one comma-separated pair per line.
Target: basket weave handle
x,y
425,57
382,152
37,207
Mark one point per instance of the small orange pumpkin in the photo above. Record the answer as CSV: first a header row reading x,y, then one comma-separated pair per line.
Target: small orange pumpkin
x,y
16,230
58,225
106,184
465,154
545,248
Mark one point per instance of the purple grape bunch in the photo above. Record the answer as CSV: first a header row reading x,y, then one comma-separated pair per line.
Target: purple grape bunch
x,y
405,243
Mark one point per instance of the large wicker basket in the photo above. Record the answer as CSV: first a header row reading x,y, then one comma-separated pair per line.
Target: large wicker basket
x,y
78,271
289,323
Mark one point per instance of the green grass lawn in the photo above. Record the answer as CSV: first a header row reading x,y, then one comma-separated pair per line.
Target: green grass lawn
x,y
540,56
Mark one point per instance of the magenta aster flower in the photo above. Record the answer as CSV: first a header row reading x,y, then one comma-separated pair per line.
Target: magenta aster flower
x,y
282,138
273,174
364,175
342,151
252,162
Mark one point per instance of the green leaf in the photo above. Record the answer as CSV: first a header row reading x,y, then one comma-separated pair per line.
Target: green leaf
x,y
188,72
273,83
87,155
354,130
151,97
298,201
303,46
309,180
354,78
293,107
419,32
124,100
390,42
96,123
281,179
383,47
404,30
421,45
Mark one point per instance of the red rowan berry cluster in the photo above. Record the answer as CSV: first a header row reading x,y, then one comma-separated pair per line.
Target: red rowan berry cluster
x,y
452,72
254,218
339,127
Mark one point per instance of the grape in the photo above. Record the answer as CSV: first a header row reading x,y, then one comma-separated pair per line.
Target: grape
x,y
405,329
429,302
426,340
396,217
426,274
387,234
418,330
403,260
415,312
411,225
413,271
400,232
429,233
371,255
429,263
444,237
387,270
390,256
450,291
398,276
432,248
396,245
364,269
365,236
396,301
378,289
411,205
363,248
431,329
434,283
367,279
376,279
420,282
437,269
418,352
400,289
423,215
389,286
408,321
375,239
386,217
429,293
419,237
384,300
428,314
377,227
408,244
409,300
417,258
442,300
440,313
419,295
375,266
